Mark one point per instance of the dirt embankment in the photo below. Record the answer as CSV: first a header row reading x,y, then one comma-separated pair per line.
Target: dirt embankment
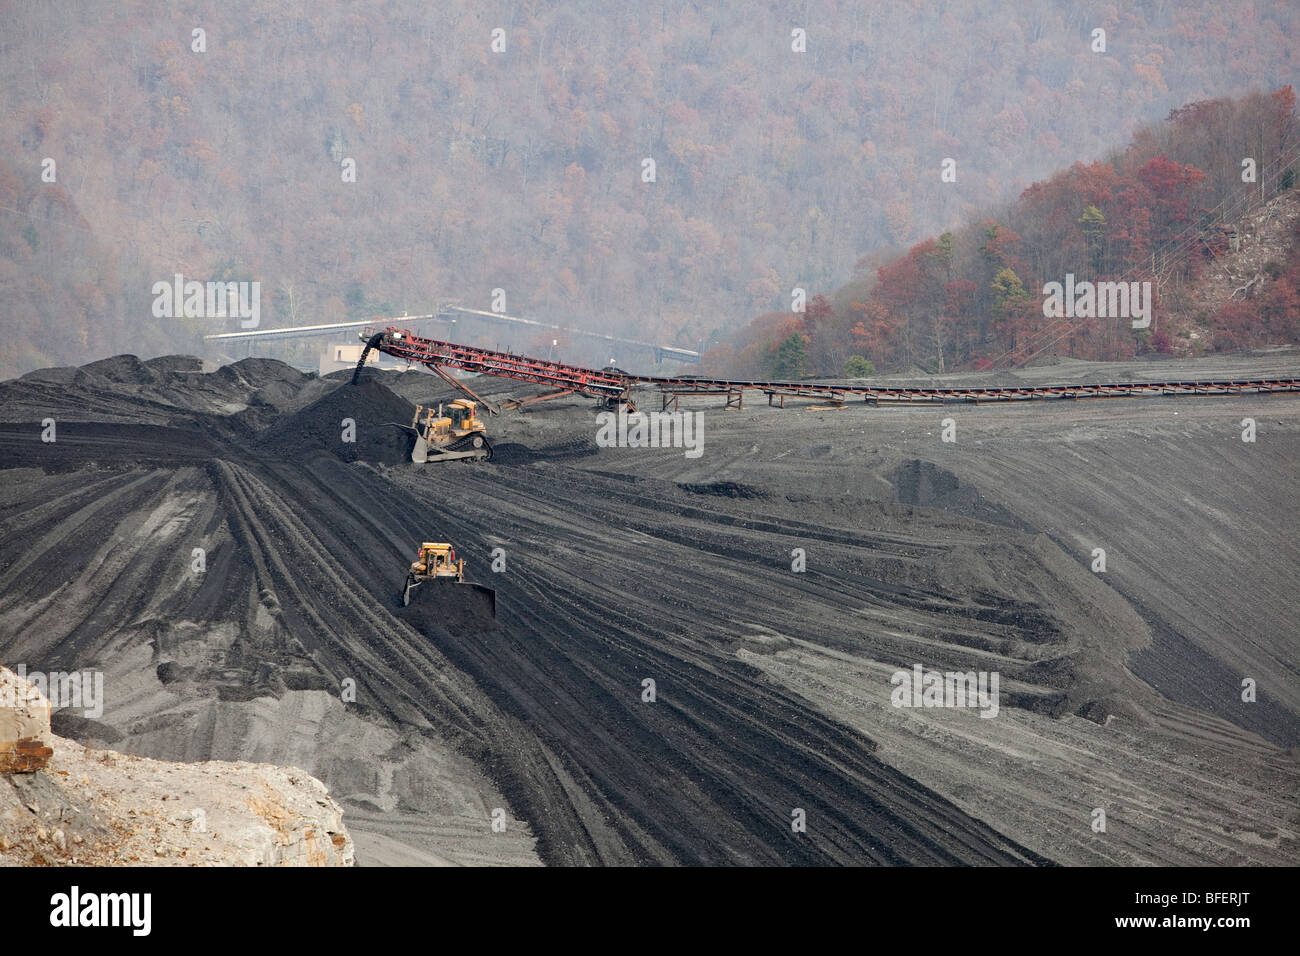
x,y
90,807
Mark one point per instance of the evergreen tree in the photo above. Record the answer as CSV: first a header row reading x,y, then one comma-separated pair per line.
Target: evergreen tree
x,y
858,367
789,360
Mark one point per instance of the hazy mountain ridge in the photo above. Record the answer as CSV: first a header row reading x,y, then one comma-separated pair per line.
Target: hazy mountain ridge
x,y
522,170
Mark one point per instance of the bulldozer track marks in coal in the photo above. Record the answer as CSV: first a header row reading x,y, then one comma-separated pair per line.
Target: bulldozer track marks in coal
x,y
683,578
549,702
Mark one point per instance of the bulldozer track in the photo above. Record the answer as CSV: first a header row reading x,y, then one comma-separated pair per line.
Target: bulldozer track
x,y
467,444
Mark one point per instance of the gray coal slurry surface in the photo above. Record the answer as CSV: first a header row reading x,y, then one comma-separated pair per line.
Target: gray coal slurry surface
x,y
621,566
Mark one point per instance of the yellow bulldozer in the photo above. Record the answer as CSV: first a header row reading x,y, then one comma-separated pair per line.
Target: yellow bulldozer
x,y
436,562
456,433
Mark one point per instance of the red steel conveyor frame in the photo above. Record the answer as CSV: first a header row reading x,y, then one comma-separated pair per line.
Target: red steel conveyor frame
x,y
613,384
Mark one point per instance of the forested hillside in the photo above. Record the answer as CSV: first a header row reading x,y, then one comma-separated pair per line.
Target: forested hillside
x,y
787,141
1166,211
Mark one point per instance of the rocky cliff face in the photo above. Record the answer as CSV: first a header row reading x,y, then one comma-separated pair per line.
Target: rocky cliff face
x,y
24,726
62,803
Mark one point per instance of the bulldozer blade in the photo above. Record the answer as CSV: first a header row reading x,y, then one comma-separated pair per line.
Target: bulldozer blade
x,y
420,453
455,605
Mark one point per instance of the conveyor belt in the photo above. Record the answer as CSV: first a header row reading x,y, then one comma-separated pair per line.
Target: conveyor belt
x,y
615,384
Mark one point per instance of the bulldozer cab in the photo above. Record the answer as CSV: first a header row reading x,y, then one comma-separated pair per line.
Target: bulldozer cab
x,y
435,559
463,416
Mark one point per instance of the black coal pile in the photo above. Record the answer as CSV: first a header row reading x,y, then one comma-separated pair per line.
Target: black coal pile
x,y
62,375
261,379
512,453
119,369
438,606
925,484
129,370
166,365
365,422
723,489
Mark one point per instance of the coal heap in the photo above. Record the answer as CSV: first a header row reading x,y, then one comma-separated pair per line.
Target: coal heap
x,y
441,606
319,428
512,453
